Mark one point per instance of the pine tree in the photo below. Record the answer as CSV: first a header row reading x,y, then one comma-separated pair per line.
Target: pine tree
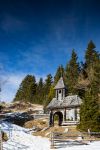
x,y
27,89
48,83
90,109
72,72
50,96
47,86
91,55
92,66
40,92
40,85
89,113
95,82
59,73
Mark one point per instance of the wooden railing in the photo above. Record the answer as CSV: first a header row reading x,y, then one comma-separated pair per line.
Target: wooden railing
x,y
74,138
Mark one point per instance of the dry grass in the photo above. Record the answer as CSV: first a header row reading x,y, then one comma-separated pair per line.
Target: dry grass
x,y
21,106
4,136
40,123
45,131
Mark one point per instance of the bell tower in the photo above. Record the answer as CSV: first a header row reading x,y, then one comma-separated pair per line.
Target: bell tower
x,y
60,90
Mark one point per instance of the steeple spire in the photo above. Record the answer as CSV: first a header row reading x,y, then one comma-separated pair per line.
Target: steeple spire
x,y
60,84
60,89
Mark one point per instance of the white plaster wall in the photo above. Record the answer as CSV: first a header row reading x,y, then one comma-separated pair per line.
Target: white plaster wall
x,y
78,114
70,114
60,96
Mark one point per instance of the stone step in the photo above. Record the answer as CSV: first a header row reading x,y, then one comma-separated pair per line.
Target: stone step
x,y
70,123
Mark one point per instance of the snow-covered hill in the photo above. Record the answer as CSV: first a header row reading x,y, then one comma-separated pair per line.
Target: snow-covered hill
x,y
21,139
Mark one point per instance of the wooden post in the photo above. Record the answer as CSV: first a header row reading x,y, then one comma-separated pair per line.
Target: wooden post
x,y
52,140
89,133
1,143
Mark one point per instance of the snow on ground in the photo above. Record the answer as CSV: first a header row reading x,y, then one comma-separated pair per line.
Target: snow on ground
x,y
21,139
90,146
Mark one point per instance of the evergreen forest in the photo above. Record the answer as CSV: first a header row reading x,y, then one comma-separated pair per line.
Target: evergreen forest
x,y
81,78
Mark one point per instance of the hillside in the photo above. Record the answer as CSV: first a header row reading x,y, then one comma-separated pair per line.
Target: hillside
x,y
21,106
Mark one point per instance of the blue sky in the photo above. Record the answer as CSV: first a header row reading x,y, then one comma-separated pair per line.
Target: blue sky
x,y
38,35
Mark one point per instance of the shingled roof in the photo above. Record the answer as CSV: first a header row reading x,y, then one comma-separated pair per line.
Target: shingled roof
x,y
60,84
69,101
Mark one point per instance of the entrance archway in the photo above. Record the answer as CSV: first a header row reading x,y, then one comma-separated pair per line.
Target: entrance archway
x,y
59,116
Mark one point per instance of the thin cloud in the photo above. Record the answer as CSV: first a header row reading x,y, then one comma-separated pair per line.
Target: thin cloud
x,y
10,24
60,28
1,67
34,56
